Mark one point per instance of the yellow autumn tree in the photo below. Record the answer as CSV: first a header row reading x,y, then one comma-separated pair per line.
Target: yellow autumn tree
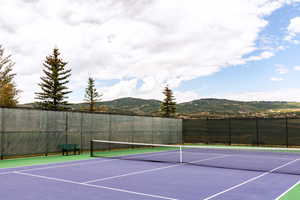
x,y
8,95
8,91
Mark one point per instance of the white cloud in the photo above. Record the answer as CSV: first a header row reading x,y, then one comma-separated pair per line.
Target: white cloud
x,y
276,79
297,68
149,89
152,41
123,89
290,94
293,29
186,96
263,55
280,48
281,69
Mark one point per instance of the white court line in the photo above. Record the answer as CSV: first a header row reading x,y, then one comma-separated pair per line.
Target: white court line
x,y
56,166
54,163
94,186
284,193
243,156
4,173
264,157
250,180
67,165
88,161
150,170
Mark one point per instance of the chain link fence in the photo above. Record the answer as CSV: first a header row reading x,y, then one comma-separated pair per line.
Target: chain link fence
x,y
31,131
252,131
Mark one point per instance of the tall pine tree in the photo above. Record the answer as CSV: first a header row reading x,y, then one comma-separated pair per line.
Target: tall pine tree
x,y
91,94
53,83
8,91
168,106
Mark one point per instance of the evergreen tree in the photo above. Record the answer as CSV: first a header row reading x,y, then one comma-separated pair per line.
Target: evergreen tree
x,y
53,83
91,94
168,106
8,91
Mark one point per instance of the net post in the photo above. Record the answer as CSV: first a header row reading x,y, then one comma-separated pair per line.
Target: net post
x,y
180,154
91,148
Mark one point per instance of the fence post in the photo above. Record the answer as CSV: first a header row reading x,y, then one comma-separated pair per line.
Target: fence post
x,y
2,134
177,129
207,132
81,128
257,131
287,131
133,129
66,128
152,130
46,131
229,131
109,131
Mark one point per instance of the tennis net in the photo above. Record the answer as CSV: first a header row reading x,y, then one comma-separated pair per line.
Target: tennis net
x,y
259,159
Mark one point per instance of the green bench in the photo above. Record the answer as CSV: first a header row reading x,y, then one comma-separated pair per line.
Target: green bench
x,y
69,147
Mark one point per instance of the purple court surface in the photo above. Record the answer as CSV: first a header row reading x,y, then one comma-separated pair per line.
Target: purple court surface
x,y
116,179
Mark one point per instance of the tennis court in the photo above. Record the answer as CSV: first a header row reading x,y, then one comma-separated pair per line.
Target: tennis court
x,y
140,171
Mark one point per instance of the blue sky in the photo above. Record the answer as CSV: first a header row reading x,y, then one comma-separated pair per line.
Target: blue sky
x,y
257,76
234,49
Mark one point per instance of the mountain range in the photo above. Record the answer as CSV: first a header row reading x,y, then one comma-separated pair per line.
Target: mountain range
x,y
195,108
209,106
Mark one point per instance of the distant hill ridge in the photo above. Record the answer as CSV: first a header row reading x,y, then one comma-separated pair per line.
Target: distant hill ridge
x,y
209,105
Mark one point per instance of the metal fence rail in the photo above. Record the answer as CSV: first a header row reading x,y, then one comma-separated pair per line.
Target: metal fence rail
x,y
251,131
32,131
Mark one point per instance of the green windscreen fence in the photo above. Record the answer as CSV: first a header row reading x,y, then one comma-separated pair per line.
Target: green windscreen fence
x,y
30,131
293,131
32,138
218,131
243,131
249,131
272,132
195,131
55,130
